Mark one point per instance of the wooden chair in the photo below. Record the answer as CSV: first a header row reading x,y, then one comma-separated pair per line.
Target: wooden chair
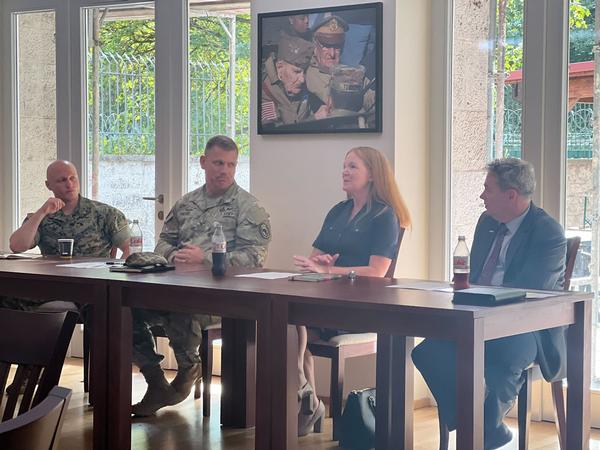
x,y
344,346
209,335
533,372
85,319
37,344
39,428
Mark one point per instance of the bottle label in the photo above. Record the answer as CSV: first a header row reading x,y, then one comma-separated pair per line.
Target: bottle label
x,y
135,241
461,263
219,247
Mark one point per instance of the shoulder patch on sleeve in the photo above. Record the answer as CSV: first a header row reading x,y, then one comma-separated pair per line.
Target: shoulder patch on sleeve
x,y
264,230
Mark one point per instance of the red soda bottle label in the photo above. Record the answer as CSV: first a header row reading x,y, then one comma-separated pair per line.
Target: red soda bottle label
x,y
461,263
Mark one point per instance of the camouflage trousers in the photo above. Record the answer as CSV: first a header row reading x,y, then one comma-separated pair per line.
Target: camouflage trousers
x,y
183,330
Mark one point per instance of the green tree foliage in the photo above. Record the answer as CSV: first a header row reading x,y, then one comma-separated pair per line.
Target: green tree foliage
x,y
581,24
581,39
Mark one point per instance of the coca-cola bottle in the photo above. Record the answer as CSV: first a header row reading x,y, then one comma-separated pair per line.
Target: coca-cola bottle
x,y
136,241
219,250
461,264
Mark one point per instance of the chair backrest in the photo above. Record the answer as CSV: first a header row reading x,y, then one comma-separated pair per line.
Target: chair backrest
x,y
38,428
572,248
392,268
37,344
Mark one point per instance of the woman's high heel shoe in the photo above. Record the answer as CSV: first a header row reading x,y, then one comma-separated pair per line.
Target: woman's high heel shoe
x,y
305,399
307,423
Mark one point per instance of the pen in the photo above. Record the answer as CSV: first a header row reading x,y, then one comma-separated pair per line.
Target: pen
x,y
111,263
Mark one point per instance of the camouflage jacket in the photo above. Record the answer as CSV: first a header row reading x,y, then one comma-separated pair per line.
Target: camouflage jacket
x,y
94,226
245,225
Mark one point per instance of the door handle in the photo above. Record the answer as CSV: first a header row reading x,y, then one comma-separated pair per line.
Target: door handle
x,y
160,198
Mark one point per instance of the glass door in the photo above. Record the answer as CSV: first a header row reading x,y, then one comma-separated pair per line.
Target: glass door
x,y
219,83
119,67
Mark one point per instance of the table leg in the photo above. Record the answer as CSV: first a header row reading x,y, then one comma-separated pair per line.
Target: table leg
x,y
98,367
263,374
119,371
470,386
284,380
579,378
395,392
238,374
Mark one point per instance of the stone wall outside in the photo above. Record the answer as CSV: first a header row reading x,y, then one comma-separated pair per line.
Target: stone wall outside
x,y
37,106
469,114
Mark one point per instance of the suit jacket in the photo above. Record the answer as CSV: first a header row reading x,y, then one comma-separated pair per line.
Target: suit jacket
x,y
535,259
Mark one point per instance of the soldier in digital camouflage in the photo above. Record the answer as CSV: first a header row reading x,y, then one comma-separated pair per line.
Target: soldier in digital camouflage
x,y
186,239
96,228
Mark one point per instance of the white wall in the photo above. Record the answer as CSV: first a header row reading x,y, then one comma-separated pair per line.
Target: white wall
x,y
298,177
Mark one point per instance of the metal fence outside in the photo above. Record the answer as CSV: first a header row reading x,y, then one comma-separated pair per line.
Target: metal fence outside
x,y
579,129
127,111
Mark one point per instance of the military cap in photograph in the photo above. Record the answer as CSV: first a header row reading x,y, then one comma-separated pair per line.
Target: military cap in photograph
x,y
330,30
295,50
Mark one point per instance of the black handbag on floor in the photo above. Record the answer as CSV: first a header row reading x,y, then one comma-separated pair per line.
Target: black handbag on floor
x,y
358,421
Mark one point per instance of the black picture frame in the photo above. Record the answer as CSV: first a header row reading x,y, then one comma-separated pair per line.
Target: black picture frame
x,y
316,110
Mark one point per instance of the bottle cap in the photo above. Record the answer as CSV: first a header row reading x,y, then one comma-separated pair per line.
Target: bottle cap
x,y
135,221
461,238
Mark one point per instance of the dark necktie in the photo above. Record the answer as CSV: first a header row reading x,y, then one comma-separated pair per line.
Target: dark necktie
x,y
489,268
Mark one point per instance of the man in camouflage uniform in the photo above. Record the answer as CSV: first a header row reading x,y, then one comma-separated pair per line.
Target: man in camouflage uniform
x,y
186,239
284,97
329,36
95,227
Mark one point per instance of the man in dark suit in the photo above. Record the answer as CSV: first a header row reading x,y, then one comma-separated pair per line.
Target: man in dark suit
x,y
516,244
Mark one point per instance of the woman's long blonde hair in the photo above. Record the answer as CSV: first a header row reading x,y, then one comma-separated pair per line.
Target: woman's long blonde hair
x,y
383,186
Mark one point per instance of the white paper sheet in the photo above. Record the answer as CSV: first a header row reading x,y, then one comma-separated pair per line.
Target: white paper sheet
x,y
267,275
424,286
85,265
540,294
19,256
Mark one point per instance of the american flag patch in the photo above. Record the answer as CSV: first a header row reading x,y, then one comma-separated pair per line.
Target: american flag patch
x,y
268,112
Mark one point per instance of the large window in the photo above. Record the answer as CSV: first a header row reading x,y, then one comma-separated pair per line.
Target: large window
x,y
487,66
581,190
121,120
121,75
36,106
219,84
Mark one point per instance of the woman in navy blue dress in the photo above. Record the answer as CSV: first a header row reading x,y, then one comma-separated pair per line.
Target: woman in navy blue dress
x,y
361,234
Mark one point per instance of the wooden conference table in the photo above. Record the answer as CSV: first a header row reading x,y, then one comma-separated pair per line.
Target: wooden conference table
x,y
364,304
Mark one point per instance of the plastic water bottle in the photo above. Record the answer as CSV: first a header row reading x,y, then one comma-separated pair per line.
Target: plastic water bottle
x,y
461,264
219,250
136,241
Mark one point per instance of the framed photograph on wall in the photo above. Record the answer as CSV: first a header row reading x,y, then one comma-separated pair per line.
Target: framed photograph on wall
x,y
320,70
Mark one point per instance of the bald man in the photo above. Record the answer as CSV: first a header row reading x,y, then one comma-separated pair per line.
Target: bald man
x,y
97,228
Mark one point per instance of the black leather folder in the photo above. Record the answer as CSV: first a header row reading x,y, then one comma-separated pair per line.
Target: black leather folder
x,y
153,268
488,296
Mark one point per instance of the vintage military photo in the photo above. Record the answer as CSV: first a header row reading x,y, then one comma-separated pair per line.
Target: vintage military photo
x,y
320,70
